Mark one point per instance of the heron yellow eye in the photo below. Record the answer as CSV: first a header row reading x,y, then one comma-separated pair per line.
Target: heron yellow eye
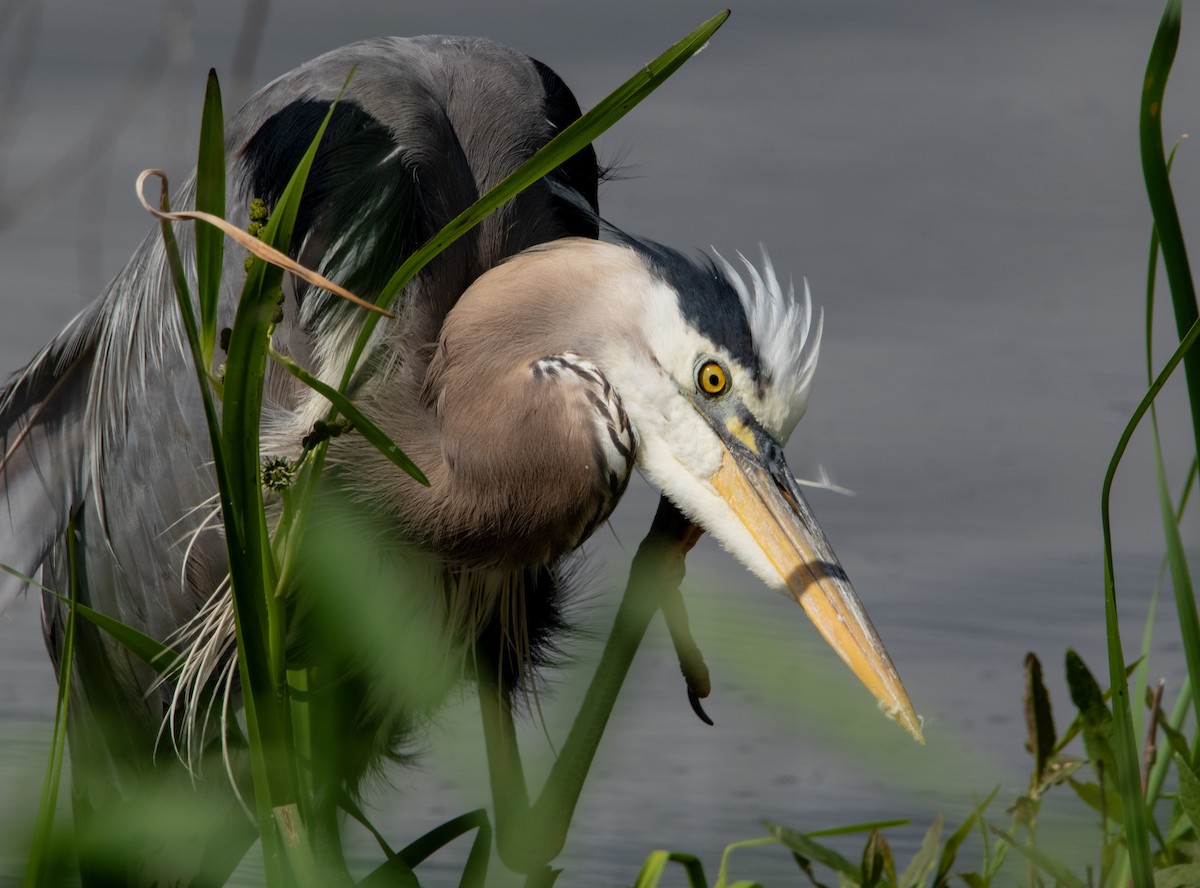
x,y
712,378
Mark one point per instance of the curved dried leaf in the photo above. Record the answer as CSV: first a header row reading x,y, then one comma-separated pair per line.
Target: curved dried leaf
x,y
250,243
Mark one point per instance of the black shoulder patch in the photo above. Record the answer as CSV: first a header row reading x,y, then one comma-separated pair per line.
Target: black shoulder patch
x,y
370,200
706,298
582,171
359,200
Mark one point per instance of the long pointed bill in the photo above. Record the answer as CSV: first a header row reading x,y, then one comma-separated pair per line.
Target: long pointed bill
x,y
754,480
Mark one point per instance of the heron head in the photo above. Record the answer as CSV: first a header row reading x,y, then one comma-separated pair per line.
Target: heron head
x,y
715,371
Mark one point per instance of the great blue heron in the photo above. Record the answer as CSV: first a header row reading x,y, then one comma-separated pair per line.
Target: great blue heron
x,y
530,370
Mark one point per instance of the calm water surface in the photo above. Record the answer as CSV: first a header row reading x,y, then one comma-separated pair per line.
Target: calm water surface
x,y
959,184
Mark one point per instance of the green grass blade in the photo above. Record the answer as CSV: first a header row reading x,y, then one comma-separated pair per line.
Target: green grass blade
x,y
1176,742
559,149
949,855
41,845
249,343
803,845
1158,771
692,868
723,869
26,579
1175,261
440,836
1099,799
259,615
152,652
652,870
1124,743
1141,674
1175,558
1044,862
398,870
248,544
1162,200
394,873
210,198
362,424
1189,791
851,829
925,861
475,871
655,866
348,805
993,855
1181,580
1183,875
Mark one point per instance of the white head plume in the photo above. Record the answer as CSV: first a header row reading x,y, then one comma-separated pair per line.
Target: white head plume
x,y
780,326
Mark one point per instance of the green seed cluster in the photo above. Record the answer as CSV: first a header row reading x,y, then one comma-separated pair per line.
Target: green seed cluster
x,y
258,218
278,473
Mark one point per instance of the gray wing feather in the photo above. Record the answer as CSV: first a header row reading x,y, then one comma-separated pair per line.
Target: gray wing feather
x,y
41,452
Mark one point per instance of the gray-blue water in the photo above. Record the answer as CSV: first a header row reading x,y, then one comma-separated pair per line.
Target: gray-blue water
x,y
959,184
